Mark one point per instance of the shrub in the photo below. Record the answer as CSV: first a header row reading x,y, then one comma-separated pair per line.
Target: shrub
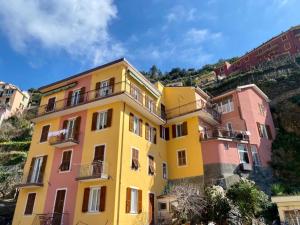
x,y
15,146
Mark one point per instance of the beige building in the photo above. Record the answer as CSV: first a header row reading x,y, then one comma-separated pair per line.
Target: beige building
x,y
288,208
12,100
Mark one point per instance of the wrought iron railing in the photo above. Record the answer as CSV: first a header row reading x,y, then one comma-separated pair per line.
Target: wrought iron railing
x,y
51,219
98,94
94,170
31,179
224,133
63,138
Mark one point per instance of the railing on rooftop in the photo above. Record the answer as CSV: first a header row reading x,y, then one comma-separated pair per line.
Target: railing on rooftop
x,y
193,107
51,219
225,134
98,94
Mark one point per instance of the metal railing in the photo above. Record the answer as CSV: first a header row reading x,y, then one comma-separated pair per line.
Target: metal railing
x,y
51,219
63,138
94,170
95,95
194,106
31,179
224,133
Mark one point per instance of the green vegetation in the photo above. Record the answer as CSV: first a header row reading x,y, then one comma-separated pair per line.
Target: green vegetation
x,y
243,203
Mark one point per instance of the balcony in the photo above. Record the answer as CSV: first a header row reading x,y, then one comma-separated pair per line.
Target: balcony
x,y
51,218
206,112
97,170
63,139
224,134
33,180
120,91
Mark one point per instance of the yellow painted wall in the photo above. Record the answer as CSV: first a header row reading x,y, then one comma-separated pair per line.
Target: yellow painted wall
x,y
36,149
192,145
140,178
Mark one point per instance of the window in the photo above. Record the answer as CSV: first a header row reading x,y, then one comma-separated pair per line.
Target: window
x,y
70,129
151,168
243,152
66,161
51,104
229,128
135,124
262,110
179,130
181,158
164,132
162,206
44,134
21,106
6,100
264,131
284,37
150,133
134,201
75,97
164,170
255,156
30,203
94,200
135,92
37,165
226,146
134,159
149,103
24,98
101,120
104,88
225,106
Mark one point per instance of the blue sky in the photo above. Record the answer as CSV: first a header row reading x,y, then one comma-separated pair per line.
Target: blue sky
x,y
42,41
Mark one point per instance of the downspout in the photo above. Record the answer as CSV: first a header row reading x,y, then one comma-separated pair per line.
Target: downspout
x,y
121,158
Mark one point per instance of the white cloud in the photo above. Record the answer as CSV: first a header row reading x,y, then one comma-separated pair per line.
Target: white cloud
x,y
78,27
180,12
200,35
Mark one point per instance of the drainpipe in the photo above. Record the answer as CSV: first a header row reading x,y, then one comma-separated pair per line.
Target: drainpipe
x,y
121,158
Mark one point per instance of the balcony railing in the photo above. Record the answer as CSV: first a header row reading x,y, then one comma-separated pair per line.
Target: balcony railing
x,y
63,140
31,180
51,219
92,171
99,94
220,133
193,107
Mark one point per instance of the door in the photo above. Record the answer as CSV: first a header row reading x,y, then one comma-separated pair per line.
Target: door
x,y
75,97
98,160
104,88
51,104
70,129
59,207
36,170
151,209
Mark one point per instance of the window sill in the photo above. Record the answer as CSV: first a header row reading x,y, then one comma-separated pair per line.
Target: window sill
x,y
100,130
65,171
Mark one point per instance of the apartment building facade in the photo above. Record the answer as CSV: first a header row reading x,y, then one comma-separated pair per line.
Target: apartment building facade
x,y
284,44
107,142
12,100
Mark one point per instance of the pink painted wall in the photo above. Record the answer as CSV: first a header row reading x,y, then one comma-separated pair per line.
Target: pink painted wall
x,y
249,101
67,180
244,117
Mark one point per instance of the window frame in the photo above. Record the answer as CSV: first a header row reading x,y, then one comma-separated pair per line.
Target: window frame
x,y
36,171
179,132
264,132
159,206
91,200
136,126
243,151
165,171
136,190
225,107
42,133
258,163
131,159
185,154
25,214
104,120
70,163
105,90
149,156
75,99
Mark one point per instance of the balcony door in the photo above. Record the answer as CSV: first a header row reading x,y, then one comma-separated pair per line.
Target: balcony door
x,y
151,209
36,170
59,207
75,97
98,160
105,88
70,129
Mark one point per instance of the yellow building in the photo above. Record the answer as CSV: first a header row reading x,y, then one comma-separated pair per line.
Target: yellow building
x,y
106,143
288,208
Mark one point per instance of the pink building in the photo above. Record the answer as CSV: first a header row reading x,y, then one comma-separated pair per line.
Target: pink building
x,y
243,140
284,44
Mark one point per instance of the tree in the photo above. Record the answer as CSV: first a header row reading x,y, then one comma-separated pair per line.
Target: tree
x,y
9,177
250,201
189,202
